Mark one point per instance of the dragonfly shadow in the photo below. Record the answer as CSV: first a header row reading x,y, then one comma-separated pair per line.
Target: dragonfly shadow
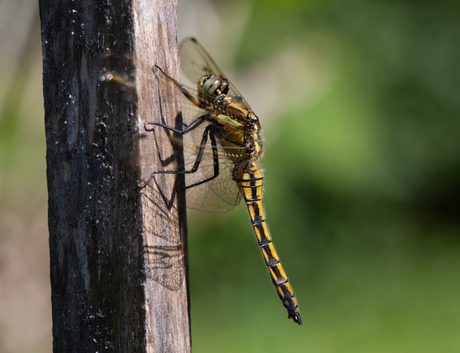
x,y
174,159
165,265
164,260
164,246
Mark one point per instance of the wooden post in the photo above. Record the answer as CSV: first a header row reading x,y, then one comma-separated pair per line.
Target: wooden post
x,y
119,273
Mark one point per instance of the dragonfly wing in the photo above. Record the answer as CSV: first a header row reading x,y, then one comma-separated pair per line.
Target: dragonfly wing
x,y
196,63
218,195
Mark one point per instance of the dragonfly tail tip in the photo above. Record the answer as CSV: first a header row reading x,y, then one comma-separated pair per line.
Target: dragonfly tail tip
x,y
296,317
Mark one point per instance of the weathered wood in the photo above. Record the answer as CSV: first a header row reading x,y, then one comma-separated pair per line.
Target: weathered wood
x,y
118,253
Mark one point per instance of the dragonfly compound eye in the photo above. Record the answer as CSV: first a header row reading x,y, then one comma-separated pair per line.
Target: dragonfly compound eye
x,y
211,86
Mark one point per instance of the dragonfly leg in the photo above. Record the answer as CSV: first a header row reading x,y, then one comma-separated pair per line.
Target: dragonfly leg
x,y
187,129
207,132
184,90
215,159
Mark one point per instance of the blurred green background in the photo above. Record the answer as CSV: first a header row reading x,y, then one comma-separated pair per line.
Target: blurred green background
x,y
360,105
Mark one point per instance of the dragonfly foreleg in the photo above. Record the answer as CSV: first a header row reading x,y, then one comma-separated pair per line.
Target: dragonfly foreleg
x,y
184,90
187,129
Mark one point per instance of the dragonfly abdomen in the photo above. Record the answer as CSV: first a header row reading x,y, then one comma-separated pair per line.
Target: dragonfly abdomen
x,y
250,184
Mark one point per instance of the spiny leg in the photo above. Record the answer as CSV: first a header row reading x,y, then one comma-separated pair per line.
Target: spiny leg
x,y
207,132
194,124
184,91
215,159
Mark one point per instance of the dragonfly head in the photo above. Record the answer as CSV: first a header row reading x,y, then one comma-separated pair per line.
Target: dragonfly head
x,y
213,86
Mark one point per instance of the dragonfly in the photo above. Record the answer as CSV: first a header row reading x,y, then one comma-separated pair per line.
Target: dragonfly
x,y
223,153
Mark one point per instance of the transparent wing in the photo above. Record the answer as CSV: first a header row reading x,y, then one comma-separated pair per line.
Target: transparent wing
x,y
196,63
219,193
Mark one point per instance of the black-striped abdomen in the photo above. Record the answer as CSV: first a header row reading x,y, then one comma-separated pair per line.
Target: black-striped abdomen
x,y
250,184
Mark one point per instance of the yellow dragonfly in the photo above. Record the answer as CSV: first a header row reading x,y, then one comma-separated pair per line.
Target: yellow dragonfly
x,y
226,140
